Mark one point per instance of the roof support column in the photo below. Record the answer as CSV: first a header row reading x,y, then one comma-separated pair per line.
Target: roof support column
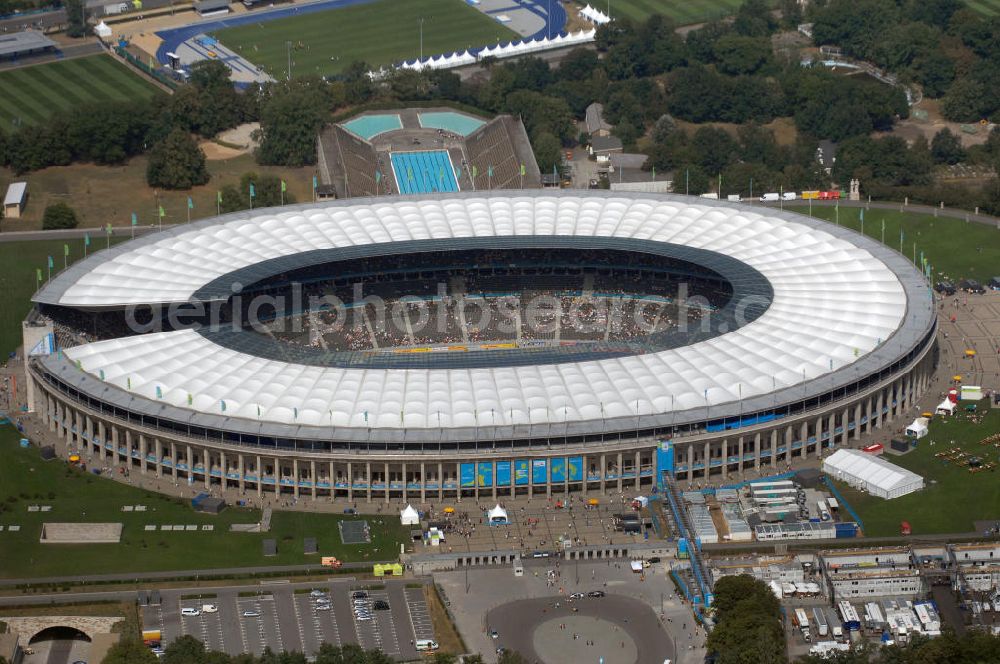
x,y
241,469
313,478
638,471
207,464
260,477
725,458
142,454
621,469
690,477
368,477
739,451
385,481
708,460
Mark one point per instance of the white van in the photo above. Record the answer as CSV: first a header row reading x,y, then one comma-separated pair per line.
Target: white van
x,y
733,198
518,569
788,196
770,197
426,644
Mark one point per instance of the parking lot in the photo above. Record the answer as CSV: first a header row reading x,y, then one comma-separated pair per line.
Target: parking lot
x,y
296,617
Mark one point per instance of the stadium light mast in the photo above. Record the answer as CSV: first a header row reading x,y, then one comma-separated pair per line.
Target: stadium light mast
x,y
421,39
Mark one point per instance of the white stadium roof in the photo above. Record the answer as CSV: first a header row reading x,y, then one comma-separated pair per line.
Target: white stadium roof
x,y
834,302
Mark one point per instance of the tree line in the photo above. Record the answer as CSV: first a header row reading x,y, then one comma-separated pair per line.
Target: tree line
x,y
189,650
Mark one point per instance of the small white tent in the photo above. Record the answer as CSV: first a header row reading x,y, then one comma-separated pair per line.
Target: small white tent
x,y
946,407
102,30
918,429
409,516
498,516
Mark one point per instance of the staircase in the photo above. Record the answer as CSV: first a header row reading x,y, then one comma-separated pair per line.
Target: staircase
x,y
702,578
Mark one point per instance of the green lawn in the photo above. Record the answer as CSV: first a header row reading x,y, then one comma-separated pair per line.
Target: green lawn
x,y
953,497
378,33
32,94
77,496
19,280
985,7
955,249
683,12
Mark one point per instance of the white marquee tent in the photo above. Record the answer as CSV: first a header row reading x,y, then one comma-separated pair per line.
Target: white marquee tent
x,y
498,516
409,516
918,429
946,407
872,474
102,30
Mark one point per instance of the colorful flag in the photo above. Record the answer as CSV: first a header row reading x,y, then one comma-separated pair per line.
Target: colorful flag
x,y
101,373
38,273
222,405
284,187
162,213
295,413
862,214
489,171
65,250
314,183
159,392
107,229
409,173
135,219
258,405
51,263
190,203
86,239
378,176
475,171
523,170
218,197
253,192
190,399
458,172
128,382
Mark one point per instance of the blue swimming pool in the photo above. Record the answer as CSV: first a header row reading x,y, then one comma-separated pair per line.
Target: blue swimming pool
x,y
450,121
423,172
368,126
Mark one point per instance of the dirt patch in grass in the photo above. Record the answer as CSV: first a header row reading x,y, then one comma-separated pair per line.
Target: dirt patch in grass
x,y
110,194
444,628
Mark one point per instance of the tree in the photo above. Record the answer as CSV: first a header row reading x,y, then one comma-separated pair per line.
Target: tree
x,y
541,114
946,148
267,193
748,627
548,152
736,54
690,179
129,651
59,216
714,149
209,104
184,650
76,18
290,120
176,163
753,19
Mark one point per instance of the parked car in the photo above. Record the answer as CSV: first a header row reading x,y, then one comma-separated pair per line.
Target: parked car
x,y
359,594
577,596
654,559
209,608
380,605
971,286
595,593
322,607
317,593
945,287
190,612
251,614
540,554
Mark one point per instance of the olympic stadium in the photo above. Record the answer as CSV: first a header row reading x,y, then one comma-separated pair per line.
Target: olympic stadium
x,y
479,344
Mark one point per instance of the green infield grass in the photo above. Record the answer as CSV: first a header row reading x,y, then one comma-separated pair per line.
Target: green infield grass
x,y
682,12
953,497
988,8
378,33
32,94
956,249
19,262
79,496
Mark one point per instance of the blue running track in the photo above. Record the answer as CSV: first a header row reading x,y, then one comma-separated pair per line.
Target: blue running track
x,y
423,172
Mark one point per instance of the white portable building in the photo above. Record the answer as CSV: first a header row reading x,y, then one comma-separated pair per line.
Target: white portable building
x,y
872,474
918,429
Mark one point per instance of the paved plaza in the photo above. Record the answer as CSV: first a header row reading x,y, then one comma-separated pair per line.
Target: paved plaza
x,y
660,623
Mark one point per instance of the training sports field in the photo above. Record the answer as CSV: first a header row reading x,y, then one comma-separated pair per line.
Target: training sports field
x,y
984,7
31,94
378,33
683,12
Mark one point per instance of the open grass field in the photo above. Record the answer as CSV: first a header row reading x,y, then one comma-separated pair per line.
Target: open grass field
x,y
18,279
984,7
78,496
378,33
955,249
683,12
953,498
32,94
